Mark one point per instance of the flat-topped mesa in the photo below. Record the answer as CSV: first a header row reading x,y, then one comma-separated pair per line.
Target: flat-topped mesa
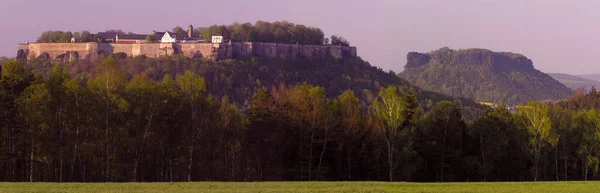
x,y
482,75
214,51
473,56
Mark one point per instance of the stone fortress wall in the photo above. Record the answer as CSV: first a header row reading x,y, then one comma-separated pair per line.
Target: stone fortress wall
x,y
56,51
222,51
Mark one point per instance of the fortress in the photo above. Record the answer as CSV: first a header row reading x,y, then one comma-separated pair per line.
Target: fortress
x,y
214,51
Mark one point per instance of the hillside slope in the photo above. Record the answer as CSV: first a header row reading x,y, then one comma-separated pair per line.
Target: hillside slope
x,y
482,75
239,79
575,82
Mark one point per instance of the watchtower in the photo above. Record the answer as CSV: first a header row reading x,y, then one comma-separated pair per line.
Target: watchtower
x,y
190,31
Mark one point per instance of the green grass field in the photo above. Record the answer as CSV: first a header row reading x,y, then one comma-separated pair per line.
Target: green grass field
x,y
511,187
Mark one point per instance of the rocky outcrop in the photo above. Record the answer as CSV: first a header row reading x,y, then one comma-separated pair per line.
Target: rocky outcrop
x,y
473,56
415,59
482,75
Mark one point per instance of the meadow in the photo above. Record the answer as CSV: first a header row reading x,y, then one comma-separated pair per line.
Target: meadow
x,y
303,187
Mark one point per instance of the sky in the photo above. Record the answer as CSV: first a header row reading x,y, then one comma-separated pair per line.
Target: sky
x,y
557,35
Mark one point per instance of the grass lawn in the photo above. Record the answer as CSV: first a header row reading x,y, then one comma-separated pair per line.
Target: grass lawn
x,y
508,187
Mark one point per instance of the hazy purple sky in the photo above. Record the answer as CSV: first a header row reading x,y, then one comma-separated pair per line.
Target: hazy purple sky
x,y
558,35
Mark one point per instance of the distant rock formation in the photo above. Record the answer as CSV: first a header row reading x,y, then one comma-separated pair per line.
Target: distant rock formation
x,y
482,75
415,59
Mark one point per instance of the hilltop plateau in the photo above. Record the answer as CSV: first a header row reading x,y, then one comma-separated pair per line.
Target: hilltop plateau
x,y
482,75
238,79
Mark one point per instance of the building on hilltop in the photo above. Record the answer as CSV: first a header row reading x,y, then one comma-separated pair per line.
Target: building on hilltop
x,y
130,38
162,37
217,39
190,31
109,37
121,38
170,37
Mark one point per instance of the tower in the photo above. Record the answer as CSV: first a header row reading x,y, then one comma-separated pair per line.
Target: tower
x,y
190,31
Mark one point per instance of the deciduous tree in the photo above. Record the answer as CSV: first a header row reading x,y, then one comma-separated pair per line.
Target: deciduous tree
x,y
536,119
395,113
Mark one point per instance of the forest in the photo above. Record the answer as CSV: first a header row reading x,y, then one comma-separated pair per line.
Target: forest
x,y
276,32
239,79
111,123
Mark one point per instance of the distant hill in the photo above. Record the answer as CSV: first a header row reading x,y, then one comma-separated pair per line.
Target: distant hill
x,y
482,75
575,82
595,77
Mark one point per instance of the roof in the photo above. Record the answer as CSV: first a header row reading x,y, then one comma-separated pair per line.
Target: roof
x,y
159,34
133,36
175,36
108,35
185,37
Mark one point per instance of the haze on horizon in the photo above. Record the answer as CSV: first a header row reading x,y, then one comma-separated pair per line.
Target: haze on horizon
x,y
558,35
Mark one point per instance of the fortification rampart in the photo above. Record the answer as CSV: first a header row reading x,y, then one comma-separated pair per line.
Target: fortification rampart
x,y
72,51
57,51
292,51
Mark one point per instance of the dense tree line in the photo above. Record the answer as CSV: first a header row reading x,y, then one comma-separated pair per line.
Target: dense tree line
x,y
65,37
338,40
55,37
276,32
261,31
116,126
